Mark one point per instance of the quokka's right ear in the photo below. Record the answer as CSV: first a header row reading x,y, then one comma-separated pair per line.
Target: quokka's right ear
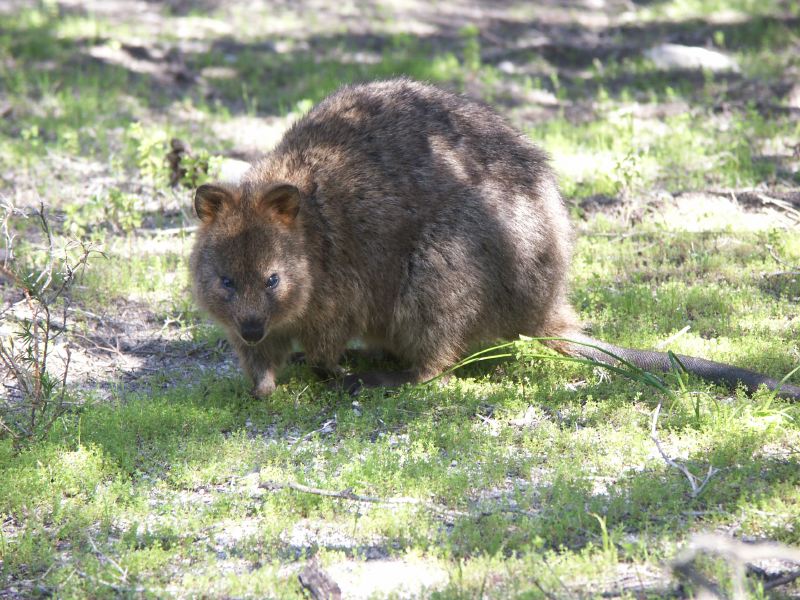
x,y
208,200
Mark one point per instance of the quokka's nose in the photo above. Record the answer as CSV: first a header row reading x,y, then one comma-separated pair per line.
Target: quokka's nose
x,y
252,330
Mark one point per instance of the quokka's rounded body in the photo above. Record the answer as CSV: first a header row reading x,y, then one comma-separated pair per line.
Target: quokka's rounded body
x,y
409,217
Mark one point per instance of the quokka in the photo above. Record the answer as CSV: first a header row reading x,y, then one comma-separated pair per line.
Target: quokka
x,y
411,218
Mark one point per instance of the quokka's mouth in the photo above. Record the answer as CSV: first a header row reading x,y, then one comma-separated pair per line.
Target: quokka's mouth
x,y
252,331
252,343
249,341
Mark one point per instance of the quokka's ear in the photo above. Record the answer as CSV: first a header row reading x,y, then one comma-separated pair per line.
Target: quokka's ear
x,y
280,202
208,200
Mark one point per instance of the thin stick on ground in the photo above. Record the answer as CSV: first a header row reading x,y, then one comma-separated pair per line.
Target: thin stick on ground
x,y
348,494
123,573
790,269
697,485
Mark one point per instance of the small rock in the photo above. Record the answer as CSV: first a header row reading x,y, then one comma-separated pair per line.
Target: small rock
x,y
231,170
507,67
677,56
381,578
793,97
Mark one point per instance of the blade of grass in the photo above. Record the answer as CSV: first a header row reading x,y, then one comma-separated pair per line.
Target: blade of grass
x,y
627,369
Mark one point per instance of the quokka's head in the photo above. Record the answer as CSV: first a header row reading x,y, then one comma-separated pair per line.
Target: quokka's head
x,y
250,268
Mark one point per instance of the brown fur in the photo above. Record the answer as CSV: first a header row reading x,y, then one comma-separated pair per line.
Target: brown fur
x,y
393,212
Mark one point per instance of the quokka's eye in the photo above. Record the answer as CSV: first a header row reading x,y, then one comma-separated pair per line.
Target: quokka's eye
x,y
272,281
226,282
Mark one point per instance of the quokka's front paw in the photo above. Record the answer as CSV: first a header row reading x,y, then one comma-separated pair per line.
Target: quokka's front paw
x,y
264,388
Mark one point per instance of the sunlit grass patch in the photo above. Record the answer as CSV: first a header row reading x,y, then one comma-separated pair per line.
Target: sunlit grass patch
x,y
727,9
620,153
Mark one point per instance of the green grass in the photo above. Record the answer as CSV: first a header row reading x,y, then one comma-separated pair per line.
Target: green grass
x,y
148,479
693,9
619,153
536,478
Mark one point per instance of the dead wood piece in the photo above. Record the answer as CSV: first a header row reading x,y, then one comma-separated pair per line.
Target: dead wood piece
x,y
738,554
178,150
318,583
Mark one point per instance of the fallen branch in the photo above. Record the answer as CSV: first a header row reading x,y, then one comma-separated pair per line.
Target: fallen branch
x,y
782,580
736,553
782,274
793,213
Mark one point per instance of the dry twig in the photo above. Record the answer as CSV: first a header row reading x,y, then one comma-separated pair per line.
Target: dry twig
x,y
697,485
791,270
348,494
123,573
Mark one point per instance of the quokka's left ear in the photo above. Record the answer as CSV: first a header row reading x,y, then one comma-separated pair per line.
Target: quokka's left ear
x,y
209,199
280,202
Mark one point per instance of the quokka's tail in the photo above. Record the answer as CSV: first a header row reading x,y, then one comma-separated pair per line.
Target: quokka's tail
x,y
659,362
